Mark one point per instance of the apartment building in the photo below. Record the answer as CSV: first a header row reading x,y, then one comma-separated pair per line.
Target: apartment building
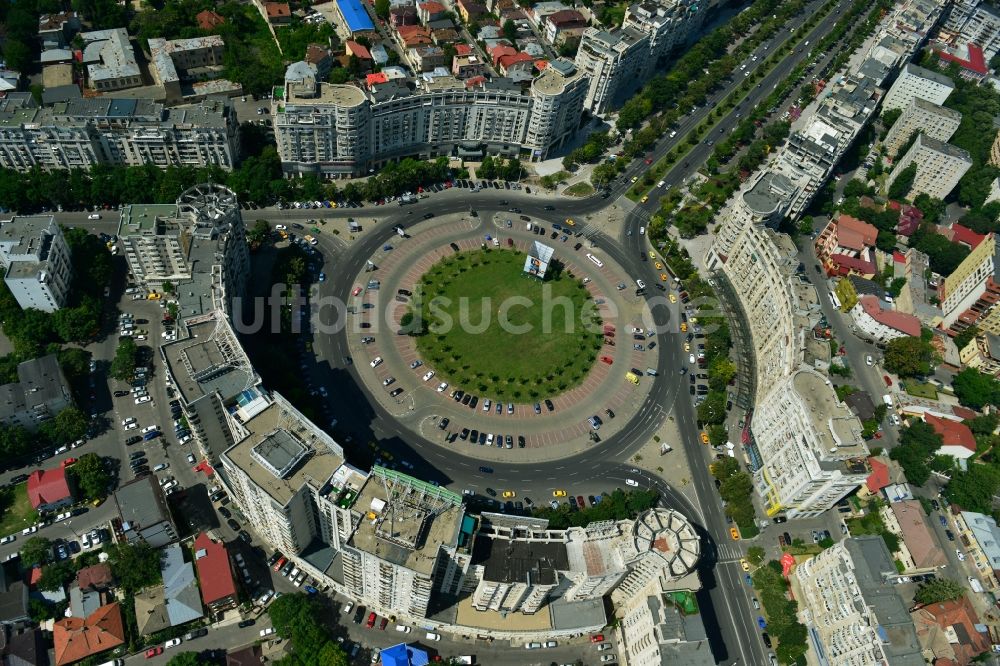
x,y
40,392
520,566
969,293
849,604
973,21
36,262
915,81
182,61
939,167
846,246
880,326
982,353
609,62
931,119
342,130
981,537
653,631
810,444
110,60
82,132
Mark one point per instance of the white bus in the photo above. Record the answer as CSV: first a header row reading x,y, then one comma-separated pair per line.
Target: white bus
x,y
597,262
834,300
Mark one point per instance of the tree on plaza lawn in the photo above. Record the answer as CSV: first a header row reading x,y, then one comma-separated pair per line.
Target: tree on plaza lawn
x,y
720,372
713,408
908,356
973,489
36,550
258,233
92,477
123,364
975,389
938,590
755,555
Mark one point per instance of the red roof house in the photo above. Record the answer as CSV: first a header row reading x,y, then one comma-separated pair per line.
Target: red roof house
x,y
881,326
972,67
515,61
215,573
209,20
910,218
358,50
879,478
78,638
956,438
463,49
278,12
431,11
48,489
951,631
845,238
965,236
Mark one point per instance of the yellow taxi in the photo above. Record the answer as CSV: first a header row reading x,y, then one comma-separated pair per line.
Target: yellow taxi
x,y
663,277
745,565
155,296
652,255
673,299
634,179
687,346
570,222
704,437
684,326
659,266
735,533
508,493
644,199
559,493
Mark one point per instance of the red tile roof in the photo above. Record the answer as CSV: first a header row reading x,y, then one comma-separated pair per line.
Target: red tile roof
x,y
966,236
904,323
358,49
77,638
47,486
277,10
963,413
375,79
898,257
432,7
966,641
854,233
976,61
501,50
475,81
566,17
97,576
952,433
207,19
844,264
879,478
506,61
215,573
463,49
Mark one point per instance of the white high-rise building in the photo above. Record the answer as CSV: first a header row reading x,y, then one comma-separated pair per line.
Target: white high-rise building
x,y
915,81
36,262
933,120
940,166
851,608
342,130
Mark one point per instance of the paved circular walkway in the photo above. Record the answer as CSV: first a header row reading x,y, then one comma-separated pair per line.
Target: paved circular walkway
x,y
377,313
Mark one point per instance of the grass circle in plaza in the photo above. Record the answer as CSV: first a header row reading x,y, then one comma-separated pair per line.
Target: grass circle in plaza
x,y
487,327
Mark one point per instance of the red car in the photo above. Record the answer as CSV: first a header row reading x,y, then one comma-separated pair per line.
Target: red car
x,y
371,620
153,651
280,563
607,359
888,382
579,500
599,638
68,462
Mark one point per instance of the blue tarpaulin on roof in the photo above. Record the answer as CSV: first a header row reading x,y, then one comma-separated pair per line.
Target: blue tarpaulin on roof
x,y
355,15
404,655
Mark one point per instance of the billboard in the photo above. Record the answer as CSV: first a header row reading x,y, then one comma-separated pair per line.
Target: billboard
x,y
538,259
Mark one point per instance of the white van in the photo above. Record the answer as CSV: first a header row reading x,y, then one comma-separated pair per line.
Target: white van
x,y
532,646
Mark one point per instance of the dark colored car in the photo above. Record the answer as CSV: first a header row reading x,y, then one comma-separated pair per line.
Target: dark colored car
x,y
549,405
464,435
247,623
444,423
359,615
20,478
520,441
226,513
235,526
767,639
121,394
473,402
486,470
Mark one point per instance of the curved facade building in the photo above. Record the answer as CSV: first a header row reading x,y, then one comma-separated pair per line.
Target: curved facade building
x,y
343,130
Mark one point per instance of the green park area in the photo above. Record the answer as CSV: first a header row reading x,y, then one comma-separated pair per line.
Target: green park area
x,y
15,509
485,326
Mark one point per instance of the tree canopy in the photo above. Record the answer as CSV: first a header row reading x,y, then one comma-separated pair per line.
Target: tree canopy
x,y
975,389
92,477
918,444
296,617
135,566
909,356
938,590
36,550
